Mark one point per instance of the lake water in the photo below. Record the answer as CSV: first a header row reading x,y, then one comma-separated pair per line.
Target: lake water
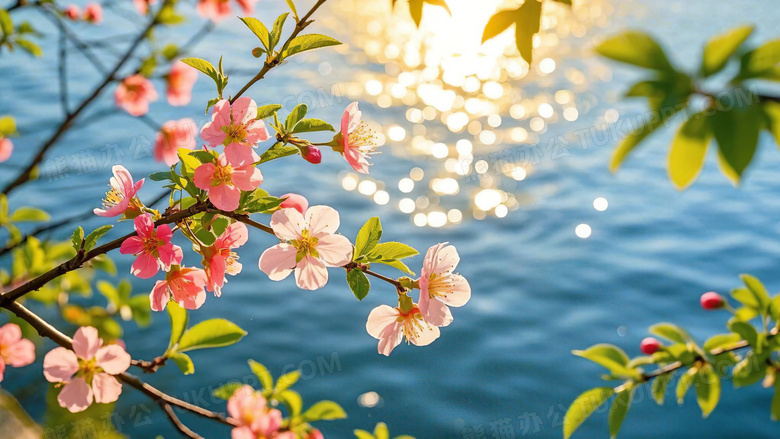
x,y
539,290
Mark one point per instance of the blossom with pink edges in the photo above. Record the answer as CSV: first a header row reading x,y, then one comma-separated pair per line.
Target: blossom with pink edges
x,y
309,245
152,248
439,286
219,258
217,10
391,325
224,182
357,141
297,202
134,94
173,135
6,149
185,285
236,126
15,351
87,372
181,79
121,199
256,420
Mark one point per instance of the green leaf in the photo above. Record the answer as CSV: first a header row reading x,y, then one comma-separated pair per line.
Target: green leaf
x,y
96,234
363,434
184,362
746,331
619,409
295,116
658,388
292,400
211,334
277,151
7,126
685,383
302,43
381,431
291,5
397,264
358,283
633,139
29,47
775,416
670,332
762,62
77,238
689,148
584,406
179,320
161,176
611,357
226,391
263,375
391,250
312,125
635,48
29,214
748,371
203,66
528,22
707,384
500,22
259,29
324,411
774,309
276,32
286,381
267,111
368,237
721,341
758,291
721,47
6,24
736,131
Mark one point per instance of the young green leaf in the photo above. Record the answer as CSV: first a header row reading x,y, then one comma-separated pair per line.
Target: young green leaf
x,y
775,414
583,407
29,47
276,32
295,116
179,320
261,372
658,388
528,24
758,291
211,334
358,283
685,383
277,151
707,384
689,148
391,250
184,362
749,370
259,29
203,66
302,43
611,357
368,236
721,47
324,411
499,22
292,400
226,391
619,409
312,125
267,111
635,48
29,214
762,62
93,237
7,126
736,131
6,24
286,381
670,332
77,238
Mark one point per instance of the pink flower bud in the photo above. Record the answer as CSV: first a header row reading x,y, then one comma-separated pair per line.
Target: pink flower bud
x,y
297,202
712,300
93,13
72,12
311,154
315,434
650,345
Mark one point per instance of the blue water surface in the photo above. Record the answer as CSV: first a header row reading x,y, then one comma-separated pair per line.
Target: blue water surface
x,y
539,291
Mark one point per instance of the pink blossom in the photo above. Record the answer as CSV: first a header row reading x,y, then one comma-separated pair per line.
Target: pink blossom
x,y
72,12
237,128
312,154
216,10
173,135
256,420
390,325
93,13
315,434
297,202
15,351
219,259
357,140
134,94
181,79
122,196
87,372
6,149
185,285
143,5
439,286
224,182
152,248
308,246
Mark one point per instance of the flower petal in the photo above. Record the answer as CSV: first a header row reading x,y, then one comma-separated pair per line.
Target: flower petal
x,y
381,317
225,197
334,250
145,266
287,224
278,261
437,313
311,274
322,220
247,178
159,296
113,359
20,353
86,342
60,364
132,245
390,337
76,396
203,176
106,388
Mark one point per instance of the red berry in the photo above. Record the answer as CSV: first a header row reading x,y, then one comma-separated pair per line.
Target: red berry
x,y
650,346
311,154
712,300
315,434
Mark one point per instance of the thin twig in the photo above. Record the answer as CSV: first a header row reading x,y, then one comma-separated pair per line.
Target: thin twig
x,y
176,422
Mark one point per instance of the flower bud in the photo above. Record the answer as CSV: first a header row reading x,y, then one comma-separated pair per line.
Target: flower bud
x,y
72,12
311,154
712,300
315,434
650,345
297,202
257,52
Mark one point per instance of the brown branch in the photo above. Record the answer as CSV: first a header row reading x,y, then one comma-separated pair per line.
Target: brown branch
x,y
300,25
47,330
26,174
176,422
